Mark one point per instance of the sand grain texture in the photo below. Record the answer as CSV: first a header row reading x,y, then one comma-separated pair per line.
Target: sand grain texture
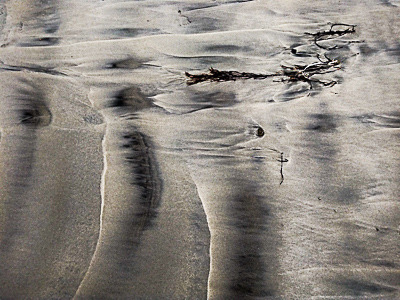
x,y
118,180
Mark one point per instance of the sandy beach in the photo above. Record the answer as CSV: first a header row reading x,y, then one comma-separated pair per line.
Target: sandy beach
x,y
210,149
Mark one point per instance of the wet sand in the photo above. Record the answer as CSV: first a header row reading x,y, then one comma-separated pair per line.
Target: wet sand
x,y
118,180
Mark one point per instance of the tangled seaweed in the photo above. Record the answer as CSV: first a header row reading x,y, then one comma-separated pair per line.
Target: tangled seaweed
x,y
219,76
294,73
287,74
332,34
305,72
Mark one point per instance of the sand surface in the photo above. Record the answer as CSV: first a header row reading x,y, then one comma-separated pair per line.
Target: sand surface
x,y
118,180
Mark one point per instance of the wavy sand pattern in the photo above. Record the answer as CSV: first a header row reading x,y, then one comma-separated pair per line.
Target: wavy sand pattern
x,y
211,149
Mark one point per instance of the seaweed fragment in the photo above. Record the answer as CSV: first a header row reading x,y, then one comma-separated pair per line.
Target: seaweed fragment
x,y
305,72
287,74
332,33
183,16
220,76
282,160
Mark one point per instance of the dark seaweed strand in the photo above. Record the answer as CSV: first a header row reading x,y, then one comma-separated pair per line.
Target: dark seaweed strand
x,y
219,76
282,160
305,72
331,34
287,74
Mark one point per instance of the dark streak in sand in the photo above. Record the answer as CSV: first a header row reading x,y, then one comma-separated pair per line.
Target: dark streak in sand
x,y
145,175
251,258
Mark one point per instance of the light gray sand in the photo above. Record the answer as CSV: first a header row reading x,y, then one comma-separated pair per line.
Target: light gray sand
x,y
120,181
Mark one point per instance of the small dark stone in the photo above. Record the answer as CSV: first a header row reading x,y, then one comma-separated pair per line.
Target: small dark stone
x,y
260,132
294,51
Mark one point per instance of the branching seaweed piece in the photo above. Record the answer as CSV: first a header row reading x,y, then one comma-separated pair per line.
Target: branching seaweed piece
x,y
331,34
288,74
305,72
